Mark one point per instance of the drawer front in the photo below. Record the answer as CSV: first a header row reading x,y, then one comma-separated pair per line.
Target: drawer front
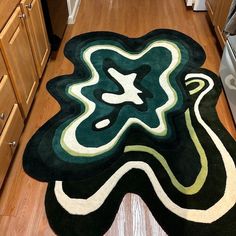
x,y
3,69
9,140
7,100
6,9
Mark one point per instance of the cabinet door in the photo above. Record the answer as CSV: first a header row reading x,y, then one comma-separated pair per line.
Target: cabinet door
x,y
3,69
211,7
9,140
37,32
6,8
7,97
221,17
19,59
7,100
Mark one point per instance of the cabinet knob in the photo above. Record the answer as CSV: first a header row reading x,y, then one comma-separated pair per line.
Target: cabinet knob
x,y
2,116
13,144
22,16
29,6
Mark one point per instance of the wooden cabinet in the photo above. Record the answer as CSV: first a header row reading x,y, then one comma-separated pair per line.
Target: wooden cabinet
x,y
37,33
7,97
7,100
9,140
19,59
11,121
24,51
211,7
220,20
218,12
3,69
6,9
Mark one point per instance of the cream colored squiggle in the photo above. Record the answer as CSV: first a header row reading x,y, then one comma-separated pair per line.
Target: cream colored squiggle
x,y
213,213
68,139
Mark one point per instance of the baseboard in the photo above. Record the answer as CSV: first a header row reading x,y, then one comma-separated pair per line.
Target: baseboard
x,y
73,14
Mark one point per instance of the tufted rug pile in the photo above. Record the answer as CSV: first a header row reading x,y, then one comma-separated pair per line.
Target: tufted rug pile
x,y
137,116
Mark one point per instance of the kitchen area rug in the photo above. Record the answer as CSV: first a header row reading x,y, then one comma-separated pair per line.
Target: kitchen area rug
x,y
137,116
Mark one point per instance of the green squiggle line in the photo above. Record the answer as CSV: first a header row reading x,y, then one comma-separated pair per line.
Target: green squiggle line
x,y
201,177
199,88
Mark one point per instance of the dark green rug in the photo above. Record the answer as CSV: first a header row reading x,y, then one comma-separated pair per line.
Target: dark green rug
x,y
137,115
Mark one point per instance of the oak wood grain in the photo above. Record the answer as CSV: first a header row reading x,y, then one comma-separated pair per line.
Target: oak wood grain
x,y
3,69
11,133
6,95
19,60
221,15
6,9
37,33
22,200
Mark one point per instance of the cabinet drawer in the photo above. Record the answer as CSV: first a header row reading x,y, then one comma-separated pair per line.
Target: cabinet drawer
x,y
9,140
3,70
7,100
6,9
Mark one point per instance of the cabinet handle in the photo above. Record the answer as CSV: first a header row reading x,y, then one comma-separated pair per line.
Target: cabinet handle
x,y
2,116
13,144
22,16
29,6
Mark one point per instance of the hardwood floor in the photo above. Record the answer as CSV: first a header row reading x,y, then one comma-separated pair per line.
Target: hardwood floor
x,y
22,199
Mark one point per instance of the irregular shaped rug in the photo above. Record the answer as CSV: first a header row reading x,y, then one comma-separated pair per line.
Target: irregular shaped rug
x,y
137,115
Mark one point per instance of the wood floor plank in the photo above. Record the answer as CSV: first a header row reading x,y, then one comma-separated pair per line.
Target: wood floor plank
x,y
22,200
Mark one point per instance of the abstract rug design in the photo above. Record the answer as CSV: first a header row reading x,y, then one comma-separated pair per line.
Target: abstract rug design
x,y
137,115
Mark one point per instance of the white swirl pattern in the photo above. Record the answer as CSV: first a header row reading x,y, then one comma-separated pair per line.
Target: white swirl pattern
x,y
68,139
